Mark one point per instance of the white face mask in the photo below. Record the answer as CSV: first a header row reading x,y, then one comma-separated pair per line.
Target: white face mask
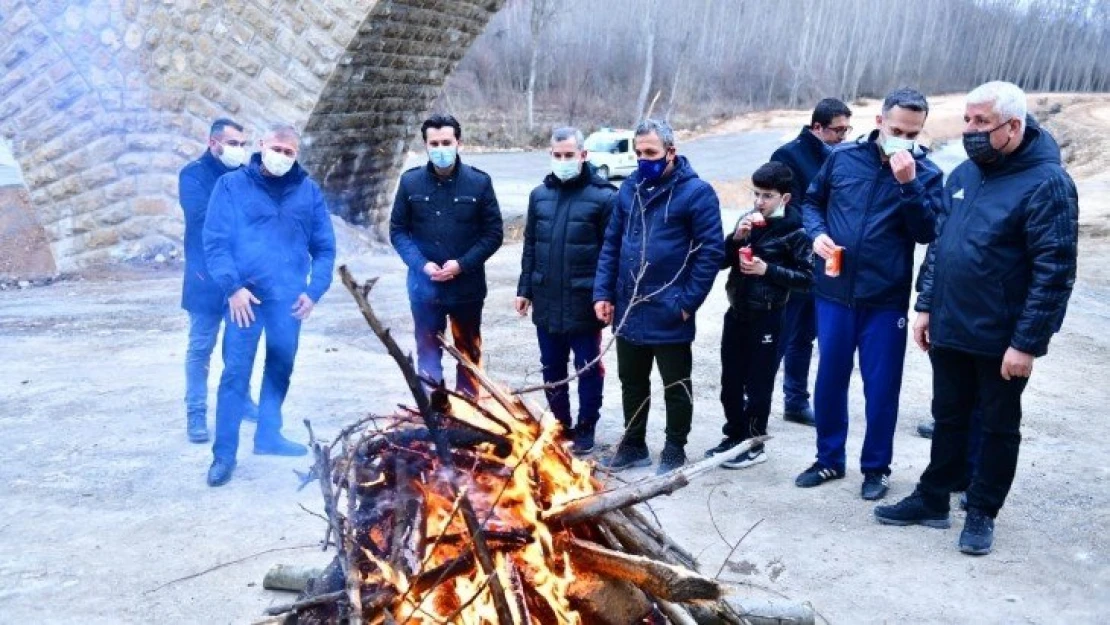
x,y
233,156
779,212
277,163
565,170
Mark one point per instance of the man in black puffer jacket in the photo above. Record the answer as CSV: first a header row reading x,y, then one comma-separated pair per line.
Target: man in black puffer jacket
x,y
758,290
994,289
567,215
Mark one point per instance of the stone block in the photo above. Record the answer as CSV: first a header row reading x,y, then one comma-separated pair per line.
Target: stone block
x,y
100,239
152,206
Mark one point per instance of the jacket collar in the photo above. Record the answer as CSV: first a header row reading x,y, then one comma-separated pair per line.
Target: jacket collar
x,y
812,142
212,162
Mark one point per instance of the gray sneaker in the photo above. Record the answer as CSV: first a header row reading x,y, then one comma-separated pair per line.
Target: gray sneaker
x,y
628,457
978,533
672,457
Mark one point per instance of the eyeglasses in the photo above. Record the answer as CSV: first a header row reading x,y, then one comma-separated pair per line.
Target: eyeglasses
x,y
839,130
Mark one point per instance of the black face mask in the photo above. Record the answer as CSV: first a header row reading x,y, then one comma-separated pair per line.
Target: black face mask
x,y
979,149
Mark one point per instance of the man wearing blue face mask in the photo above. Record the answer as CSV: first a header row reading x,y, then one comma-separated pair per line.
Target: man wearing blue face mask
x,y
445,225
870,203
663,248
566,222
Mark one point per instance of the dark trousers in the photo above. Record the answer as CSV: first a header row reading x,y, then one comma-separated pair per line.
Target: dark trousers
x,y
880,337
431,320
962,381
749,351
555,350
634,364
240,344
795,350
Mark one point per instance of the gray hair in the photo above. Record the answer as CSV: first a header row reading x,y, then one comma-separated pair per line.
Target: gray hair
x,y
907,98
283,130
568,132
1006,99
661,129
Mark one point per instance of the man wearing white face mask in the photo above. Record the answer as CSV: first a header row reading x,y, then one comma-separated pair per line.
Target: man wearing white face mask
x,y
200,296
270,248
869,204
567,216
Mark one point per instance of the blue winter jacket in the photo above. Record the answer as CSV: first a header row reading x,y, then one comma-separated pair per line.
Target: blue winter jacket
x,y
856,201
266,233
671,232
199,292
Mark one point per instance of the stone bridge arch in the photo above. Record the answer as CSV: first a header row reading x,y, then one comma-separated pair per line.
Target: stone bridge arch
x,y
105,100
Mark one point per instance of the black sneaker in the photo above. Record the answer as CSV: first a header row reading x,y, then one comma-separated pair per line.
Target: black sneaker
x,y
583,440
220,472
912,511
746,458
875,486
804,416
925,429
628,457
196,428
978,534
726,444
816,475
672,457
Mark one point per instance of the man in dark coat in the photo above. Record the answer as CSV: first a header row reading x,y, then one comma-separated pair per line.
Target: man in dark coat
x,y
804,155
445,225
994,289
870,203
663,248
200,295
565,228
269,245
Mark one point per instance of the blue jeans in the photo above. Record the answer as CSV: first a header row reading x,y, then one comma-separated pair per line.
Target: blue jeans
x,y
795,350
282,337
431,320
880,337
555,350
203,330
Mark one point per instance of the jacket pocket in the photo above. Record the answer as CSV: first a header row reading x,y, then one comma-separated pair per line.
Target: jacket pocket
x,y
466,208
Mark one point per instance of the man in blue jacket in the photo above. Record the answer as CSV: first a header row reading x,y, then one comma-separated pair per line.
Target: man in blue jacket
x,y
269,245
445,225
870,202
994,289
828,126
663,247
200,295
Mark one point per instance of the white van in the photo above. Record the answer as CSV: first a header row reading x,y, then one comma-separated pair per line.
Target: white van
x,y
610,151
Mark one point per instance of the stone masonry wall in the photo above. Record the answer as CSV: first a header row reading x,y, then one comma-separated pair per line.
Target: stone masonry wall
x,y
105,100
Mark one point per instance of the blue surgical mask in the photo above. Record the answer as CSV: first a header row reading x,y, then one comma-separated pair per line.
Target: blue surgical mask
x,y
444,157
565,170
651,170
894,144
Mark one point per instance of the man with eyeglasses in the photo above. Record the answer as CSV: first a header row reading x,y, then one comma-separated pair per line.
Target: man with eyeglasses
x,y
804,155
868,206
270,248
200,296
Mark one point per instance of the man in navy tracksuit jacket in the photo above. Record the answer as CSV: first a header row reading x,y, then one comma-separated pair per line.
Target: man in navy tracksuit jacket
x,y
804,155
269,245
875,199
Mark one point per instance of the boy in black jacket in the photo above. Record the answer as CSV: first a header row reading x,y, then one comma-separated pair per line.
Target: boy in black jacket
x,y
768,256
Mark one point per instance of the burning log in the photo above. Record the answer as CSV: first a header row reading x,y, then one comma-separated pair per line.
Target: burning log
x,y
667,582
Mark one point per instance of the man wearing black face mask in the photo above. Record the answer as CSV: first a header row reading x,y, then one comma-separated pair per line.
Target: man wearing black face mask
x,y
994,289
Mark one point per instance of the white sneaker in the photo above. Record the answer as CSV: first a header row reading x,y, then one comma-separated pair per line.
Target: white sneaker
x,y
746,459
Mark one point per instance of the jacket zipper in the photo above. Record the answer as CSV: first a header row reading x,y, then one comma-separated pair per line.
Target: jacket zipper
x,y
859,239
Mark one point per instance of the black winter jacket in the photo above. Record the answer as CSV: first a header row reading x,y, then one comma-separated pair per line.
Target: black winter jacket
x,y
199,292
436,219
562,240
804,155
1002,268
788,252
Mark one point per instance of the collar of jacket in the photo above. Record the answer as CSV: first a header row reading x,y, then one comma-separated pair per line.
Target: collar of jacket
x,y
212,162
1037,147
813,142
293,176
454,172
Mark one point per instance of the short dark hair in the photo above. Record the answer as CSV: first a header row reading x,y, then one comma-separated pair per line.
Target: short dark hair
x,y
907,98
221,123
774,175
440,121
827,109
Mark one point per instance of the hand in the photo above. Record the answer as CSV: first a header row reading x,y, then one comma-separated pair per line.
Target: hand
x,y
903,165
743,229
824,246
431,269
604,312
1016,364
240,305
522,304
450,269
754,268
921,331
302,308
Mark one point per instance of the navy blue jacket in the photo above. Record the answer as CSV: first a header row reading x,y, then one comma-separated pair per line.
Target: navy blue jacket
x,y
1002,268
562,241
199,293
855,200
265,233
671,232
804,155
440,219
